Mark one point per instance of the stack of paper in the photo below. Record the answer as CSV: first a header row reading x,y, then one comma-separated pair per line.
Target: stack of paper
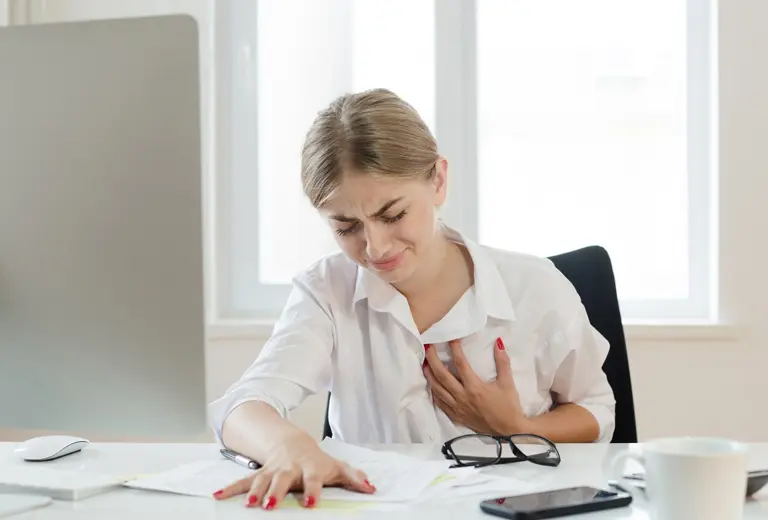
x,y
399,479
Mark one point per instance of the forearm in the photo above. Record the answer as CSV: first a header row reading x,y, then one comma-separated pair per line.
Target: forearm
x,y
567,422
255,429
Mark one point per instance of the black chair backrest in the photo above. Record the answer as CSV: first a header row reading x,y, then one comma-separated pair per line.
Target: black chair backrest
x,y
591,273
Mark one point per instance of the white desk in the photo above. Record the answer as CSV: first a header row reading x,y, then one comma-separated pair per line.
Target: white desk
x,y
581,465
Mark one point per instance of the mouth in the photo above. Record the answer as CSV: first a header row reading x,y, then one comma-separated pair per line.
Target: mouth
x,y
388,264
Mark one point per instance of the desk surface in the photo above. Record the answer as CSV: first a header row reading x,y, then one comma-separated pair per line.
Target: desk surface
x,y
581,465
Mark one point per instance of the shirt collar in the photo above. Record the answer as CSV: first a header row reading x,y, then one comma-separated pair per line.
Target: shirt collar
x,y
490,289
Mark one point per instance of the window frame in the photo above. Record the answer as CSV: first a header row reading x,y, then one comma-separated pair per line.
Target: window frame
x,y
456,129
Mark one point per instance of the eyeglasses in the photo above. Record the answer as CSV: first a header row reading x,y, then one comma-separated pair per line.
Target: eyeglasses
x,y
479,450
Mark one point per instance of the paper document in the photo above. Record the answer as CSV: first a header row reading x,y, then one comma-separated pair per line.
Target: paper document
x,y
398,478
54,483
200,479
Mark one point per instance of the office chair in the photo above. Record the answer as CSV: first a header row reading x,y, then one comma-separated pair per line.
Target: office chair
x,y
590,271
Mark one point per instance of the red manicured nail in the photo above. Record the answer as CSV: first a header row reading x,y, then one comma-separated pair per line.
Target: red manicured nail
x,y
252,500
499,344
367,483
309,501
218,493
271,503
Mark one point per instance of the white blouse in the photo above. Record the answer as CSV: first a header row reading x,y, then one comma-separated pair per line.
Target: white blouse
x,y
345,330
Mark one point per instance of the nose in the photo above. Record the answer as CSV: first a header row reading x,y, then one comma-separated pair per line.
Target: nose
x,y
377,242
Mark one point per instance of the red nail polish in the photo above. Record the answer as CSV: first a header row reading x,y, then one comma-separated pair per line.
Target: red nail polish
x,y
271,503
252,500
309,501
367,483
218,493
499,344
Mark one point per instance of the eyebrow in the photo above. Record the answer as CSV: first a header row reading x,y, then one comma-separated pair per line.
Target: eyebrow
x,y
383,209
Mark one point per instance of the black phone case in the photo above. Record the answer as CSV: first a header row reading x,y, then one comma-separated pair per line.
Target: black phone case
x,y
598,505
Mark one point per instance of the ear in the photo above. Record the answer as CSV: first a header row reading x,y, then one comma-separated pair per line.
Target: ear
x,y
440,181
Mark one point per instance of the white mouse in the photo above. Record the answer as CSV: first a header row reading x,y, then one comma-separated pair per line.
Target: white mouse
x,y
49,447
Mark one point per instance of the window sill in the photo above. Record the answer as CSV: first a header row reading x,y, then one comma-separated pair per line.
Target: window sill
x,y
260,330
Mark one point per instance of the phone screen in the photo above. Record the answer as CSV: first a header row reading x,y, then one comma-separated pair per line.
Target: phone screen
x,y
553,499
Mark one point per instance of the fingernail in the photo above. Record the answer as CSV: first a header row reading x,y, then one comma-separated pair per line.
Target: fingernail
x,y
499,344
271,503
218,493
252,501
309,501
367,483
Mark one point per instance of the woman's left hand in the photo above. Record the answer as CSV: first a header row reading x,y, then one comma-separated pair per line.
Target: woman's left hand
x,y
493,408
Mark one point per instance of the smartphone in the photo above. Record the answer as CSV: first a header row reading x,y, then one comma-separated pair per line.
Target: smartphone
x,y
556,503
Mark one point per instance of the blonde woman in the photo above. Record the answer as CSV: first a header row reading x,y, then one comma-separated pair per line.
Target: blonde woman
x,y
420,334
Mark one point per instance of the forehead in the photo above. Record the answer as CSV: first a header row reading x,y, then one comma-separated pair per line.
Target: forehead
x,y
367,193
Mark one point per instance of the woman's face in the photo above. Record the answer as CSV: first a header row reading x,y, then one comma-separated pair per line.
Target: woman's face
x,y
387,225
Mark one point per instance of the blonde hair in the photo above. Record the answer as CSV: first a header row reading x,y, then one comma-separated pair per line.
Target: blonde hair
x,y
372,132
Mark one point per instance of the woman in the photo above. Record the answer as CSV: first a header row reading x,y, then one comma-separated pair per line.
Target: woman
x,y
420,334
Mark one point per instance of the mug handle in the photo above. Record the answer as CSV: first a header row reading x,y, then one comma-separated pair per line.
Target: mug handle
x,y
617,468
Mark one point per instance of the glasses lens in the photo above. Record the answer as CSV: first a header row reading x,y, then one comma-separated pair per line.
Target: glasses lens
x,y
530,446
476,449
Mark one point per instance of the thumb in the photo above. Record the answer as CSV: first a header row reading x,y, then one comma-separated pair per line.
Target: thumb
x,y
503,366
355,480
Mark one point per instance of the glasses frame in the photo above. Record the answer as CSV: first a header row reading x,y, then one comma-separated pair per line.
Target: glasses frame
x,y
542,459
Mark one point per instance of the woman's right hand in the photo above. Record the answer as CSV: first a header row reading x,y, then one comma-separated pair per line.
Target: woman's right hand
x,y
296,466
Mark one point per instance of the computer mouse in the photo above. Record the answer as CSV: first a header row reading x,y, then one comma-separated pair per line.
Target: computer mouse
x,y
49,447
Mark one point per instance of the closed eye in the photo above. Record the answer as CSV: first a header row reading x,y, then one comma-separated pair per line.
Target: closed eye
x,y
356,226
392,220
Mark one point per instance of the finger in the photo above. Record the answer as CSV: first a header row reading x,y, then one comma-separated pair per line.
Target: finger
x,y
438,389
464,369
258,489
447,409
236,488
442,374
355,480
503,366
313,485
281,484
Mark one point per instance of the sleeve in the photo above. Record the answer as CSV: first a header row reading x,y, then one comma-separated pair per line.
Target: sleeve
x,y
293,364
578,353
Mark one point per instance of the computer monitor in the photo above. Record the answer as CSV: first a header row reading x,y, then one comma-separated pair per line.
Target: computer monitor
x,y
101,256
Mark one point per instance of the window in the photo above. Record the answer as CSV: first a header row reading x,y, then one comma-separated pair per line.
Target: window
x,y
565,123
288,60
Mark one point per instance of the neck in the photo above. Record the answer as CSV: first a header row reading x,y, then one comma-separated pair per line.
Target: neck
x,y
430,270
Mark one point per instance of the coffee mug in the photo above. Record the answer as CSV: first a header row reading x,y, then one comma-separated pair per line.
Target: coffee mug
x,y
689,477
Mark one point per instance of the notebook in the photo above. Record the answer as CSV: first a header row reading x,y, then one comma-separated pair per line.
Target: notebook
x,y
15,504
57,484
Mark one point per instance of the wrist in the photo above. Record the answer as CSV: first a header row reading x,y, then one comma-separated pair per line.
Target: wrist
x,y
298,441
518,424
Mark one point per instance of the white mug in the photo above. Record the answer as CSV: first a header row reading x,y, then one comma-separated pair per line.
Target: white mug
x,y
691,478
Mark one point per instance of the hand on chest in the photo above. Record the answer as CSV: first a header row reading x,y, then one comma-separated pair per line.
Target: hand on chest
x,y
478,349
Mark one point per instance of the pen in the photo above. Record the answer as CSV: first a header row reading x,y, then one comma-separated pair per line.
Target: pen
x,y
240,459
